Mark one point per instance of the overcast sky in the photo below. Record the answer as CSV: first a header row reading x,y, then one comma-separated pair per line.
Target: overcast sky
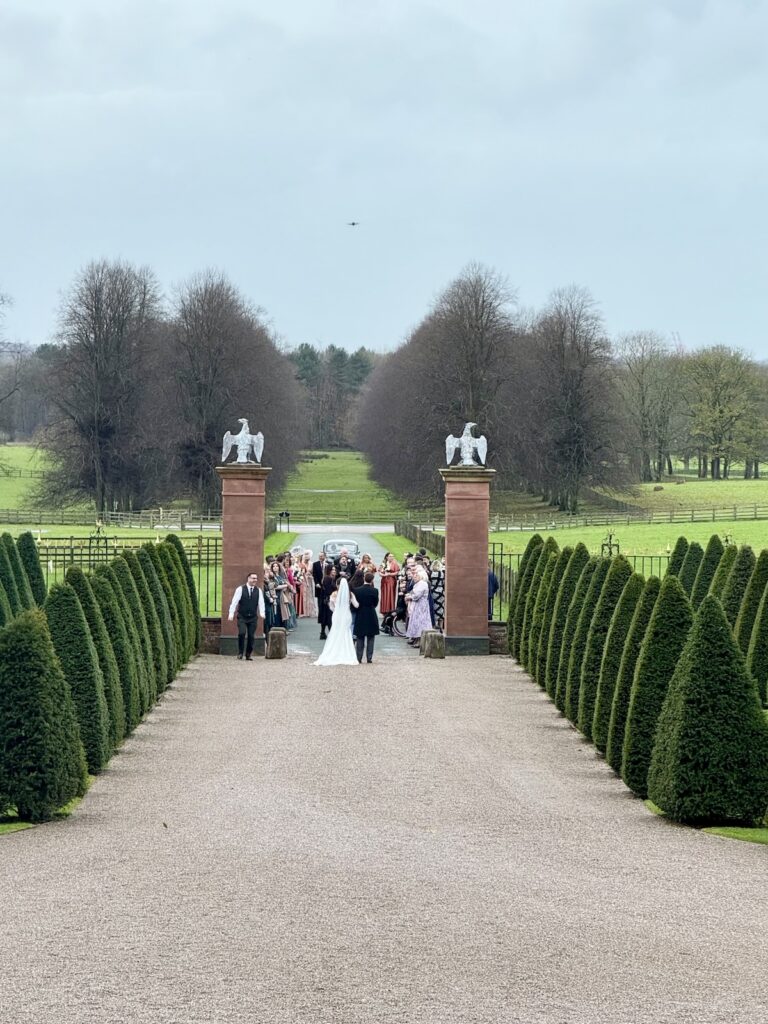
x,y
617,144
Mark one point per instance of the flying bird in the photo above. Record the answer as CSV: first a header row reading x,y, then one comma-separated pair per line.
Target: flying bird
x,y
353,223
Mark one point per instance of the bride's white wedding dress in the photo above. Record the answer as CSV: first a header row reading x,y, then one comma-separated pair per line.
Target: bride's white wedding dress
x,y
339,648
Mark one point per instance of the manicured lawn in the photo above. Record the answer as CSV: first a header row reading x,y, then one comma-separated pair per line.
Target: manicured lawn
x,y
696,493
397,544
746,835
332,484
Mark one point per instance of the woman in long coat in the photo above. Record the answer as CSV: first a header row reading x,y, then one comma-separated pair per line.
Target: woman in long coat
x,y
419,616
388,571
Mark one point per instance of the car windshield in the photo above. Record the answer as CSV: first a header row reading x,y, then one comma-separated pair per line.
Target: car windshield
x,y
334,547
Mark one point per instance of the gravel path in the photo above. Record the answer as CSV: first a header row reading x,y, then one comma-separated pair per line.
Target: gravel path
x,y
283,843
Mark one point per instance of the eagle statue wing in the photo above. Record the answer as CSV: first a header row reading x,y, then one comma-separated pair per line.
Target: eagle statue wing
x,y
482,448
451,444
227,446
258,445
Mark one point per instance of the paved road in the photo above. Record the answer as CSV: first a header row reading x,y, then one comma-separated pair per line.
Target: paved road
x,y
290,844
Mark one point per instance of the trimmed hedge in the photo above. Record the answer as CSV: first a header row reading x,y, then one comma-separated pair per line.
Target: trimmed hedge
x,y
133,635
677,557
565,593
153,550
8,583
614,749
111,608
723,571
173,571
569,628
42,763
523,587
707,569
534,542
155,633
126,581
745,620
113,693
6,612
690,567
30,559
538,611
610,593
561,564
163,612
710,760
757,654
19,575
581,633
191,588
73,644
667,632
615,643
738,580
550,547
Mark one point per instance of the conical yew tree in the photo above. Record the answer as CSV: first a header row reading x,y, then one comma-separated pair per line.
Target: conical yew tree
x,y
690,567
614,748
679,552
615,580
757,654
561,564
707,569
745,620
154,630
172,565
710,759
129,624
521,595
20,577
667,632
163,612
569,629
74,646
579,648
153,552
538,611
191,588
736,586
113,693
534,542
8,583
550,547
565,593
30,559
120,568
114,616
615,643
42,764
723,571
6,614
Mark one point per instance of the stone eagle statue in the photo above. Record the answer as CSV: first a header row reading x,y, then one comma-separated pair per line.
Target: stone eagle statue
x,y
468,446
245,442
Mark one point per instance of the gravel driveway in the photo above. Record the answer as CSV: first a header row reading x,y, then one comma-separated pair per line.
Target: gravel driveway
x,y
428,843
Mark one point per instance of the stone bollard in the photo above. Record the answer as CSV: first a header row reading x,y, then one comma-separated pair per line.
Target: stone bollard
x,y
432,644
277,643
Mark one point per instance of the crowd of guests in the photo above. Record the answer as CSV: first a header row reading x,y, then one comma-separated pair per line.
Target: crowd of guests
x,y
297,587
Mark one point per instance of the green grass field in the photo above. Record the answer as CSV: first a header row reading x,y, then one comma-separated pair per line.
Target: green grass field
x,y
397,544
697,494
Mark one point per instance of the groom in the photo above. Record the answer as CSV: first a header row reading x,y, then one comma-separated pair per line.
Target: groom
x,y
366,620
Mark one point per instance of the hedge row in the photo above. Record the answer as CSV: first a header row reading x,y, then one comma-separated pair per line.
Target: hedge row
x,y
650,680
77,676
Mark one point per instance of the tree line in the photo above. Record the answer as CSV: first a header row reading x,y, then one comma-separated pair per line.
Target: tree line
x,y
563,405
131,399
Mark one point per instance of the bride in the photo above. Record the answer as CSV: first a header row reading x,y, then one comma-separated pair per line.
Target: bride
x,y
339,648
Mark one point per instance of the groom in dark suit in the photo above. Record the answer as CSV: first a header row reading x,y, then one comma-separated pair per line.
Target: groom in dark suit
x,y
367,619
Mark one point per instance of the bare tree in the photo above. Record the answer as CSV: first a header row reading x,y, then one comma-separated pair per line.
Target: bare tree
x,y
94,382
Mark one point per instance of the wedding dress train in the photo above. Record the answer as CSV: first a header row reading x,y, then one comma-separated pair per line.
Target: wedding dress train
x,y
339,648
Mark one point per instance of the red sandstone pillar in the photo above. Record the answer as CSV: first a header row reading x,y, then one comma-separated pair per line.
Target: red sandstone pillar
x,y
467,504
243,503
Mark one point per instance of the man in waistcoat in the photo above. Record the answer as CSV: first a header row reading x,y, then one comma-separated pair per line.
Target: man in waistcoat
x,y
248,603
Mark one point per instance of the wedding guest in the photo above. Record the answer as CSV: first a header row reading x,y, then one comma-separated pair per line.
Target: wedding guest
x,y
366,620
271,600
419,617
388,571
283,590
310,601
344,564
325,612
493,589
437,590
299,580
248,604
291,591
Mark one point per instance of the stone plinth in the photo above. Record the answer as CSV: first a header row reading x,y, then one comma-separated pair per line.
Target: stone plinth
x,y
498,637
243,502
467,504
